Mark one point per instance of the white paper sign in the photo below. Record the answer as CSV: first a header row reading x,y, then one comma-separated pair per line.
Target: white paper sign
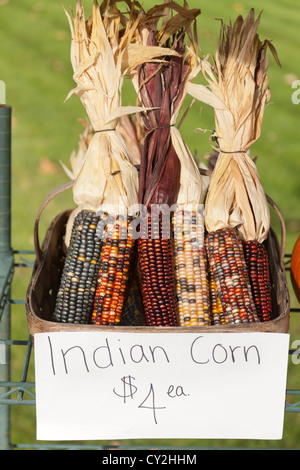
x,y
111,385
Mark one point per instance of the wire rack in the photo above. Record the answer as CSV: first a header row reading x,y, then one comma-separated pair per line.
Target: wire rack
x,y
22,392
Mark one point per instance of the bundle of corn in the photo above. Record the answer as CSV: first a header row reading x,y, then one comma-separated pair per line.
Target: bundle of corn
x,y
103,50
130,129
165,161
238,91
132,312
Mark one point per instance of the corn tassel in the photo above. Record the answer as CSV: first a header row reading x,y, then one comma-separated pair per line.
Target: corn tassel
x,y
191,269
76,293
258,268
157,275
229,270
113,275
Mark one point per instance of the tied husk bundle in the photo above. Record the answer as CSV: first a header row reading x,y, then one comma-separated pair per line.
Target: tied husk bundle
x,y
169,176
238,91
128,126
168,173
103,51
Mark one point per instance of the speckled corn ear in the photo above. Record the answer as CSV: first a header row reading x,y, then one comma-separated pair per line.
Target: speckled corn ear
x,y
76,293
229,271
114,271
157,276
258,268
191,269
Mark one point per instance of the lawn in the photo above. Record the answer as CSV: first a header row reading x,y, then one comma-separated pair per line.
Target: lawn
x,y
35,64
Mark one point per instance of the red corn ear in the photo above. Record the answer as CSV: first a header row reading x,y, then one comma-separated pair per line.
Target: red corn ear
x,y
159,185
258,268
157,276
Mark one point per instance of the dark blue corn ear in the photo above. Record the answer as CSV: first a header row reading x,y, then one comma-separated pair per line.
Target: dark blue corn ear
x,y
77,289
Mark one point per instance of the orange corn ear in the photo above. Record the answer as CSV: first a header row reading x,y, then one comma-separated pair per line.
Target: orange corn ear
x,y
157,277
77,289
258,267
229,270
113,275
191,269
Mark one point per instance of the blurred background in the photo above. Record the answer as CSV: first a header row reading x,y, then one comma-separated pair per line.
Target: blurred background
x,y
35,65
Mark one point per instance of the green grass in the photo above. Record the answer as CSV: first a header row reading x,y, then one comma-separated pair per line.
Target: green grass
x,y
35,64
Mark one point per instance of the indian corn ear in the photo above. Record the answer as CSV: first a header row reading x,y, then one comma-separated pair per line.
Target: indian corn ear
x,y
76,293
258,267
114,270
157,274
229,270
191,269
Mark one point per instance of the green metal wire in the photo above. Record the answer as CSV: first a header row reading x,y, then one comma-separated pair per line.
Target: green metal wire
x,y
23,393
6,257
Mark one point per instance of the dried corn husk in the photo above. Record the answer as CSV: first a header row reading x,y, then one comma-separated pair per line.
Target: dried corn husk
x,y
238,91
132,131
103,51
169,173
78,155
76,160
